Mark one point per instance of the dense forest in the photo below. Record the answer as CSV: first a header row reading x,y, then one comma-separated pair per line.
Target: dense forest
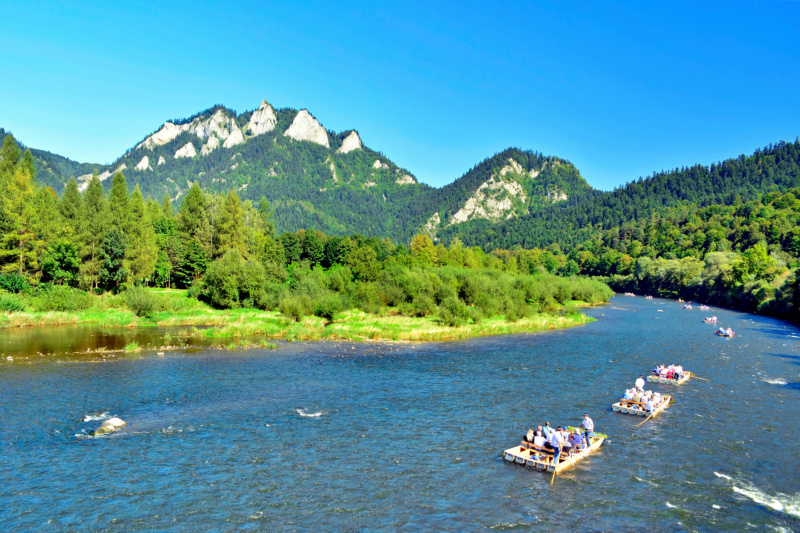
x,y
56,252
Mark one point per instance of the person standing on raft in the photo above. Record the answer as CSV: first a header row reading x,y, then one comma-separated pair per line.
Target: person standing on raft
x,y
588,427
640,383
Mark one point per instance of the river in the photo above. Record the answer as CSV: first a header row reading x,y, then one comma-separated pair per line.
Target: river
x,y
341,436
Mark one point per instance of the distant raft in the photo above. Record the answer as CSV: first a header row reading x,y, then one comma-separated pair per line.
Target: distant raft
x,y
659,379
726,334
541,458
629,407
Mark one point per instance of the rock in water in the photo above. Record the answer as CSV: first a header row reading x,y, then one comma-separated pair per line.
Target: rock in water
x,y
110,426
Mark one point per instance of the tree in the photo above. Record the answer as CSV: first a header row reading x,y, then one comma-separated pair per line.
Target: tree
x,y
166,207
230,226
112,260
291,247
70,207
313,249
61,263
363,262
267,215
20,243
193,219
191,265
422,248
118,204
142,252
94,224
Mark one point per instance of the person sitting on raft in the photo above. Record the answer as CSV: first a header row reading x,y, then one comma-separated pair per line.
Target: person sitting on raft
x,y
729,332
576,439
628,395
547,431
663,372
722,331
678,372
538,439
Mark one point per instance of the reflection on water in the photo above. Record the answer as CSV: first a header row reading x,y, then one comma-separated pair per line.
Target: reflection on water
x,y
386,436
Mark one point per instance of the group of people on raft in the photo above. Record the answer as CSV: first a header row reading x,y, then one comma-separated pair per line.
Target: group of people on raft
x,y
637,395
672,371
726,332
561,440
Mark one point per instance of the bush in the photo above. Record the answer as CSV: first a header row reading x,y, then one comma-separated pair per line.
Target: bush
x,y
14,282
423,305
141,302
11,302
454,312
231,281
60,298
327,306
292,308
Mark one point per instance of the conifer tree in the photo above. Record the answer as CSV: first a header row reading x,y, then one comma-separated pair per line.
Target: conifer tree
x,y
50,224
166,207
230,226
193,218
118,203
20,242
94,224
70,207
142,252
9,155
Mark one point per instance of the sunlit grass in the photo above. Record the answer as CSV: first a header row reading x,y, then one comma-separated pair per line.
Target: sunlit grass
x,y
354,325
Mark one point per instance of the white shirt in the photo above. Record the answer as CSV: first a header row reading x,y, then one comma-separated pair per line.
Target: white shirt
x,y
587,424
628,395
679,369
649,406
556,440
538,441
640,383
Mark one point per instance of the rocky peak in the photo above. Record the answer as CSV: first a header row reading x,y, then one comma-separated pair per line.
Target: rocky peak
x,y
262,120
350,143
306,128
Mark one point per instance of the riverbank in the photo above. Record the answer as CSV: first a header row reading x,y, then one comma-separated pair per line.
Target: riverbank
x,y
353,325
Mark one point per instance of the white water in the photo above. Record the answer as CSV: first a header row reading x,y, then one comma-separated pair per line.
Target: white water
x,y
92,418
776,381
302,413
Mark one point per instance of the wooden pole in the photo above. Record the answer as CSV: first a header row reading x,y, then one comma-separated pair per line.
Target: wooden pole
x,y
697,377
555,465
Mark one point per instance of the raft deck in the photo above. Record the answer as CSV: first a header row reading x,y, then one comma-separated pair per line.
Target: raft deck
x,y
629,407
659,379
541,458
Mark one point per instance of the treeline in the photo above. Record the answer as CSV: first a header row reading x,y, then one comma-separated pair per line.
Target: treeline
x,y
227,252
742,256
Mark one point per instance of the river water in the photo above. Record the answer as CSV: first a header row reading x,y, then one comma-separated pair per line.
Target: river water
x,y
340,436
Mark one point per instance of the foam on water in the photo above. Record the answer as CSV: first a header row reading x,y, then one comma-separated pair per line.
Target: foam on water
x,y
776,381
92,418
723,476
303,413
783,503
670,506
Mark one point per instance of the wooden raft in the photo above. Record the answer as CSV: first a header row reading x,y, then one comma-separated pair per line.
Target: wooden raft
x,y
526,454
629,407
659,379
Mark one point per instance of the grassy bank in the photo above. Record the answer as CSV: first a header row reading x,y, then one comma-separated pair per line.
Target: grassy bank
x,y
175,309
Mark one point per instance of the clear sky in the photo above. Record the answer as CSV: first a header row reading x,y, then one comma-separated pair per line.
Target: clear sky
x,y
619,89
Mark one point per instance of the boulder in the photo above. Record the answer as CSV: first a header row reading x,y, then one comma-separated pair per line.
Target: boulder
x,y
110,426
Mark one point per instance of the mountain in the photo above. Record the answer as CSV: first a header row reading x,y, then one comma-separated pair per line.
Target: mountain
x,y
317,178
739,179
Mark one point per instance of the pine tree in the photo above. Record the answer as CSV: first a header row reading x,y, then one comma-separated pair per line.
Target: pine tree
x,y
166,207
51,225
118,204
20,242
267,215
142,252
112,260
193,218
9,155
230,226
70,207
93,227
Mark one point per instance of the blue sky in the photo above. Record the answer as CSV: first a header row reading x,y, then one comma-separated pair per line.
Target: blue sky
x,y
619,89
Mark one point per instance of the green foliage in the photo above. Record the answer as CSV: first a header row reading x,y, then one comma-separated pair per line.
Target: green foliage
x,y
10,302
112,260
232,281
328,305
61,263
60,298
292,307
141,302
14,282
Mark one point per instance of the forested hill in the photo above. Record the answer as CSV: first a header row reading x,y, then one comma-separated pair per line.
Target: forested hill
x,y
776,167
317,178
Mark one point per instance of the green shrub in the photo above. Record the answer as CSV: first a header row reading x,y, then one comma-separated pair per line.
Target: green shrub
x,y
423,305
14,282
327,306
477,316
60,298
141,302
11,302
453,312
292,308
